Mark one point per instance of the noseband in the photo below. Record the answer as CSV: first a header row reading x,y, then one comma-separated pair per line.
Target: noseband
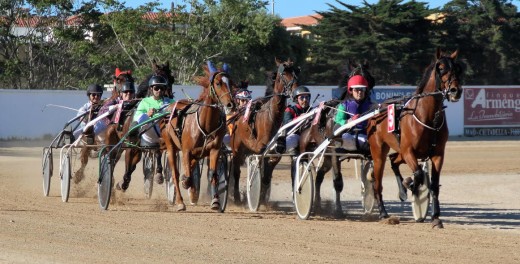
x,y
445,86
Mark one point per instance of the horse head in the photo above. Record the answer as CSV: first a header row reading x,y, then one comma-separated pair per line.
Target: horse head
x,y
218,85
164,71
120,77
286,77
448,75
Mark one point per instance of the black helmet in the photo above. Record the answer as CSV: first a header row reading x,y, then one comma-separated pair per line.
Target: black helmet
x,y
128,86
299,91
94,88
157,80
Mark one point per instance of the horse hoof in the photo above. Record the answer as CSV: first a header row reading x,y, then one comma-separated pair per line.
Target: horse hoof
x,y
339,214
437,223
194,196
407,183
181,207
159,179
215,204
186,182
121,186
78,177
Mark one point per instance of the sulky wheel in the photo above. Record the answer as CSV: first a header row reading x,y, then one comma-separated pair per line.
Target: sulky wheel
x,y
46,170
254,182
421,201
65,173
303,190
105,181
368,199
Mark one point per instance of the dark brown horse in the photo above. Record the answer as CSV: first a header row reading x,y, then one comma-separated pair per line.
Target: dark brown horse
x,y
423,130
315,134
119,78
162,70
267,113
200,133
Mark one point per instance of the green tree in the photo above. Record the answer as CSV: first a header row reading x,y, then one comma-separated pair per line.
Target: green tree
x,y
486,31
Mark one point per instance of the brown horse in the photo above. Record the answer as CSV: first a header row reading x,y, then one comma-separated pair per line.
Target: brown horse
x,y
315,134
119,78
423,130
267,113
200,132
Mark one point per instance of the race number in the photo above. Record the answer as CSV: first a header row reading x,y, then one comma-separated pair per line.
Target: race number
x,y
391,118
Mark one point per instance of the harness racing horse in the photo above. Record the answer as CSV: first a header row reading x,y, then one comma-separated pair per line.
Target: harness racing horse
x,y
251,137
423,130
313,135
203,126
119,78
162,70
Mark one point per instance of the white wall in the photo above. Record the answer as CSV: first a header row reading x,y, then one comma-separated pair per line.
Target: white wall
x,y
25,114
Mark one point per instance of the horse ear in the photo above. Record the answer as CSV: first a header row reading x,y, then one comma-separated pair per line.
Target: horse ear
x,y
438,54
168,64
454,54
211,68
154,65
226,68
366,64
277,61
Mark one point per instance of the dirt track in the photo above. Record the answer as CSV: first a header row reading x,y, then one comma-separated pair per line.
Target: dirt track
x,y
479,201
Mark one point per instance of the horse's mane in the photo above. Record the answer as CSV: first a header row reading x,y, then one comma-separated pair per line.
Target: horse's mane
x,y
203,81
269,82
425,78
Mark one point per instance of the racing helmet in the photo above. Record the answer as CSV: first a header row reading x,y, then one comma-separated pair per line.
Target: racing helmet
x,y
128,86
94,88
356,81
157,80
243,94
299,91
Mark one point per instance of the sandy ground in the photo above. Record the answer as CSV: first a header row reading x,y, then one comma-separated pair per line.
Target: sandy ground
x,y
479,201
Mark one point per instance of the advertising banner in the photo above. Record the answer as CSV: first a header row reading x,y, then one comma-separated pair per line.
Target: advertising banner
x,y
492,111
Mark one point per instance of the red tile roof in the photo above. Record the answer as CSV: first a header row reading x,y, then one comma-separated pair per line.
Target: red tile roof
x,y
301,20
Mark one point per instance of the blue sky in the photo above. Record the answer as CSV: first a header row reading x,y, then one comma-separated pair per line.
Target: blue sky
x,y
291,8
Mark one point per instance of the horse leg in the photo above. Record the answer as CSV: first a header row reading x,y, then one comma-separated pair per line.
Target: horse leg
x,y
437,162
317,194
132,157
79,174
159,178
338,186
395,161
379,162
172,157
418,173
269,165
236,176
212,172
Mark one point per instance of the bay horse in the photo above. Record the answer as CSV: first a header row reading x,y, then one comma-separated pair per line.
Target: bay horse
x,y
202,128
267,112
119,78
423,130
313,135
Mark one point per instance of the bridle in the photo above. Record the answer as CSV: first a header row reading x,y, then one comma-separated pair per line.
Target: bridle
x,y
286,84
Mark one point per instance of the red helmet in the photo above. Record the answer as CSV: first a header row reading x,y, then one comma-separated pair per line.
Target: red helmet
x,y
357,81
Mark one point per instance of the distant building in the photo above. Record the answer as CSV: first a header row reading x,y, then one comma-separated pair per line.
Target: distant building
x,y
294,25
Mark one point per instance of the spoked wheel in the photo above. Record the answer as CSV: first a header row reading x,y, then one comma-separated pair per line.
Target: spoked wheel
x,y
104,181
254,182
421,201
148,171
195,174
46,170
223,176
168,180
65,173
367,187
303,190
